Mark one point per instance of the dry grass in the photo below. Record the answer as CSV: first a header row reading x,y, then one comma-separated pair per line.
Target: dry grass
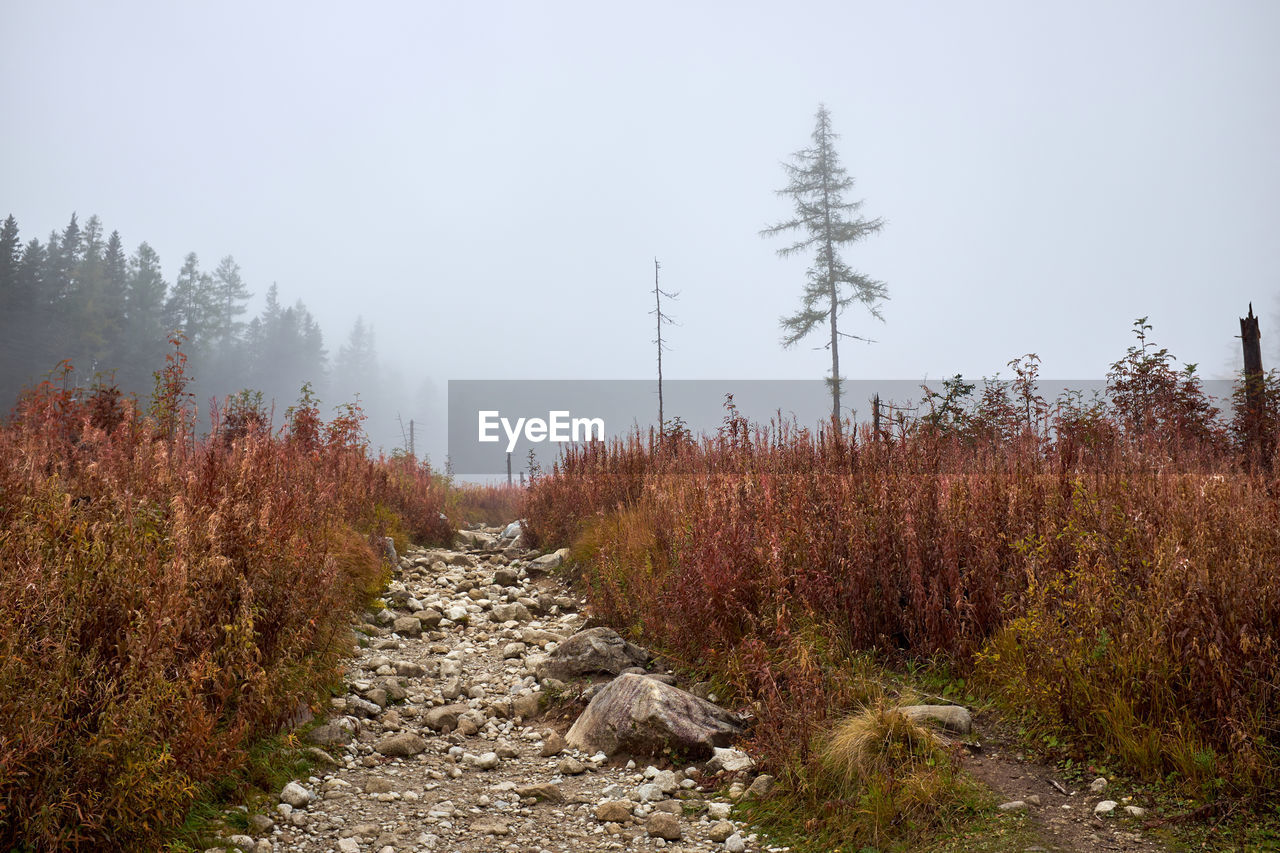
x,y
1109,569
877,778
880,743
165,602
469,503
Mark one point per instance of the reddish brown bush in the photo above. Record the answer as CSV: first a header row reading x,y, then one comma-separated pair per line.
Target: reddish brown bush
x,y
164,602
1109,566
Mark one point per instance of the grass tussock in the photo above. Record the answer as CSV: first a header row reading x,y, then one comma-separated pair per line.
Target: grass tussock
x,y
874,779
879,775
167,602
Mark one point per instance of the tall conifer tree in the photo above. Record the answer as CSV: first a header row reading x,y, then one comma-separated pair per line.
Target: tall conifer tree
x,y
827,223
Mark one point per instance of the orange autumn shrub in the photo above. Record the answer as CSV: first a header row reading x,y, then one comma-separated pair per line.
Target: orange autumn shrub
x,y
164,601
1109,571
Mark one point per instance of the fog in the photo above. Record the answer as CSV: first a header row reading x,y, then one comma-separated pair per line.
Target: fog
x,y
488,184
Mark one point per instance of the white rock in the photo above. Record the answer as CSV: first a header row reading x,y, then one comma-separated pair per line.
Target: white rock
x,y
718,811
1097,786
729,760
1135,811
1105,807
649,792
735,844
349,845
666,780
296,795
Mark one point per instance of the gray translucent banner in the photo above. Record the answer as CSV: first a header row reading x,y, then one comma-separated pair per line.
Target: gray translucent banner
x,y
489,419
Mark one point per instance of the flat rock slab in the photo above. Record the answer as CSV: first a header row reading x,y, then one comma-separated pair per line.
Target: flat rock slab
x,y
547,562
330,734
403,744
642,716
591,651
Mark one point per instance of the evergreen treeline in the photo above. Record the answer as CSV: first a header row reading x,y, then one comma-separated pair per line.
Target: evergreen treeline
x,y
80,296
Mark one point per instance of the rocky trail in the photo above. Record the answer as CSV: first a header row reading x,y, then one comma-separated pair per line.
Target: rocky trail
x,y
442,742
460,731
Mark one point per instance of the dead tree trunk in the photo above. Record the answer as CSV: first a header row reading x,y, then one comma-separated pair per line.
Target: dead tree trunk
x,y
1254,391
661,319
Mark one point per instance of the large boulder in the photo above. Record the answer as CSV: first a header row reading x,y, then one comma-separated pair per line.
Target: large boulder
x,y
641,716
590,651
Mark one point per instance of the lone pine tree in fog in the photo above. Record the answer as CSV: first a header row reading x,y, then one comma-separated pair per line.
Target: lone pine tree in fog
x,y
826,222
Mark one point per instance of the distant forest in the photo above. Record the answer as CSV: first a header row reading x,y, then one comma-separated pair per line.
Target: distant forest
x,y
80,296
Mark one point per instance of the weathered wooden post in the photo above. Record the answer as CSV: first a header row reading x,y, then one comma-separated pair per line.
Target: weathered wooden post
x,y
875,416
1251,341
1256,416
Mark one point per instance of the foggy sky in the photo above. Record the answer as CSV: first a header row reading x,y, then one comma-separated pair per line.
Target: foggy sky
x,y
488,183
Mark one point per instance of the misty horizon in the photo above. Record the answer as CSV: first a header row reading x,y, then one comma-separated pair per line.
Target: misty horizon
x,y
488,188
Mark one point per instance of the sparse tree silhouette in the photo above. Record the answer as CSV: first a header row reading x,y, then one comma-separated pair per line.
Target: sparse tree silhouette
x,y
661,320
82,297
826,222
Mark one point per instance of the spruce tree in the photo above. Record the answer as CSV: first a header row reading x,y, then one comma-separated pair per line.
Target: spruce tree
x,y
13,308
229,296
826,222
10,254
115,288
144,319
23,347
355,369
191,305
89,319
